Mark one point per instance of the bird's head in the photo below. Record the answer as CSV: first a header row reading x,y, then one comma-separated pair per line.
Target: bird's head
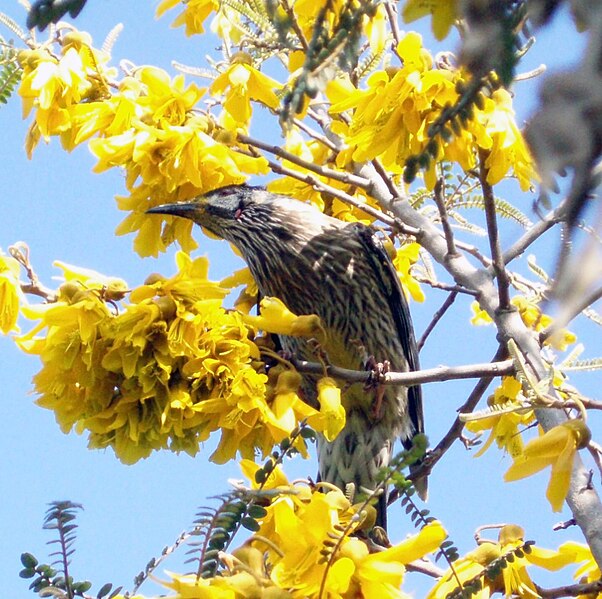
x,y
244,214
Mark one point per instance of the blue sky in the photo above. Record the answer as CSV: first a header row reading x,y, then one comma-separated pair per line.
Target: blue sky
x,y
63,211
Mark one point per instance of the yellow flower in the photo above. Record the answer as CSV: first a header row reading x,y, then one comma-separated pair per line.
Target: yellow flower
x,y
514,579
533,317
556,448
331,419
589,571
276,318
193,16
508,149
405,257
480,317
504,428
164,372
381,574
444,14
241,83
10,293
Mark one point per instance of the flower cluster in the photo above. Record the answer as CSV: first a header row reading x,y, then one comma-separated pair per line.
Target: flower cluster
x,y
534,318
304,558
147,123
512,579
169,369
392,117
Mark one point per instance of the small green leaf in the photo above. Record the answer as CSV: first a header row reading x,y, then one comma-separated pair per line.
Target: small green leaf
x,y
257,511
104,590
250,524
28,560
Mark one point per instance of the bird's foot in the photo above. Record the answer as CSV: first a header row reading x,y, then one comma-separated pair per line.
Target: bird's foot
x,y
375,382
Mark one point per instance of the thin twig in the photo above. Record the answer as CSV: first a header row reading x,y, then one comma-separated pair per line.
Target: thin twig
x,y
342,176
316,135
456,428
392,16
586,589
439,194
540,70
293,20
493,234
449,300
333,191
446,286
535,232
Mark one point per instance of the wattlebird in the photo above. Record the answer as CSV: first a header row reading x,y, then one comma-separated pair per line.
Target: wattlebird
x,y
340,271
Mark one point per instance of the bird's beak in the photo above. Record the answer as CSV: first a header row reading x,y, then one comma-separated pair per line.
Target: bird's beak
x,y
184,209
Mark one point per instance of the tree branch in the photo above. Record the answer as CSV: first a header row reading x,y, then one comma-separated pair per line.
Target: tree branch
x,y
407,379
587,589
438,193
494,241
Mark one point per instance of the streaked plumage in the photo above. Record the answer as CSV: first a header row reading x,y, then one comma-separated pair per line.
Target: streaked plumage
x,y
319,265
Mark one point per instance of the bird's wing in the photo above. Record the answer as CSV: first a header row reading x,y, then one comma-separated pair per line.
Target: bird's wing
x,y
391,286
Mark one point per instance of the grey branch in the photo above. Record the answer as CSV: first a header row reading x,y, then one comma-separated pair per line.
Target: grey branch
x,y
419,377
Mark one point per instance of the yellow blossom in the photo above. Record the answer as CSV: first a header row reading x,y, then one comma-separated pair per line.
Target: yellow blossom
x,y
481,317
241,83
405,257
514,579
444,14
276,318
533,317
392,117
331,419
193,14
163,372
589,571
10,293
504,428
556,448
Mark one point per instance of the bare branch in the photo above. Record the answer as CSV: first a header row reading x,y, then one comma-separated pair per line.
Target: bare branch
x,y
391,9
439,194
535,232
408,379
587,589
20,252
343,177
446,286
449,300
583,502
290,13
494,240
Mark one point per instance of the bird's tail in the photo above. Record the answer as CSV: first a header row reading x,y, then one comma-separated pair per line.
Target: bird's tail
x,y
356,456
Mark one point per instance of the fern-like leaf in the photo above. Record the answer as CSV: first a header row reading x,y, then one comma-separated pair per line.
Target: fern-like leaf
x,y
13,26
503,208
61,517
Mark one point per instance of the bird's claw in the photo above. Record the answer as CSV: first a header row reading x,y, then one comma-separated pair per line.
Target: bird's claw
x,y
378,370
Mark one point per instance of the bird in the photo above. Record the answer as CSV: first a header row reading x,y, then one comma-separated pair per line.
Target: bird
x,y
340,271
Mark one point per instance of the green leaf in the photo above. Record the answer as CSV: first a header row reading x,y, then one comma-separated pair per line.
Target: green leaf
x,y
250,524
257,511
28,560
